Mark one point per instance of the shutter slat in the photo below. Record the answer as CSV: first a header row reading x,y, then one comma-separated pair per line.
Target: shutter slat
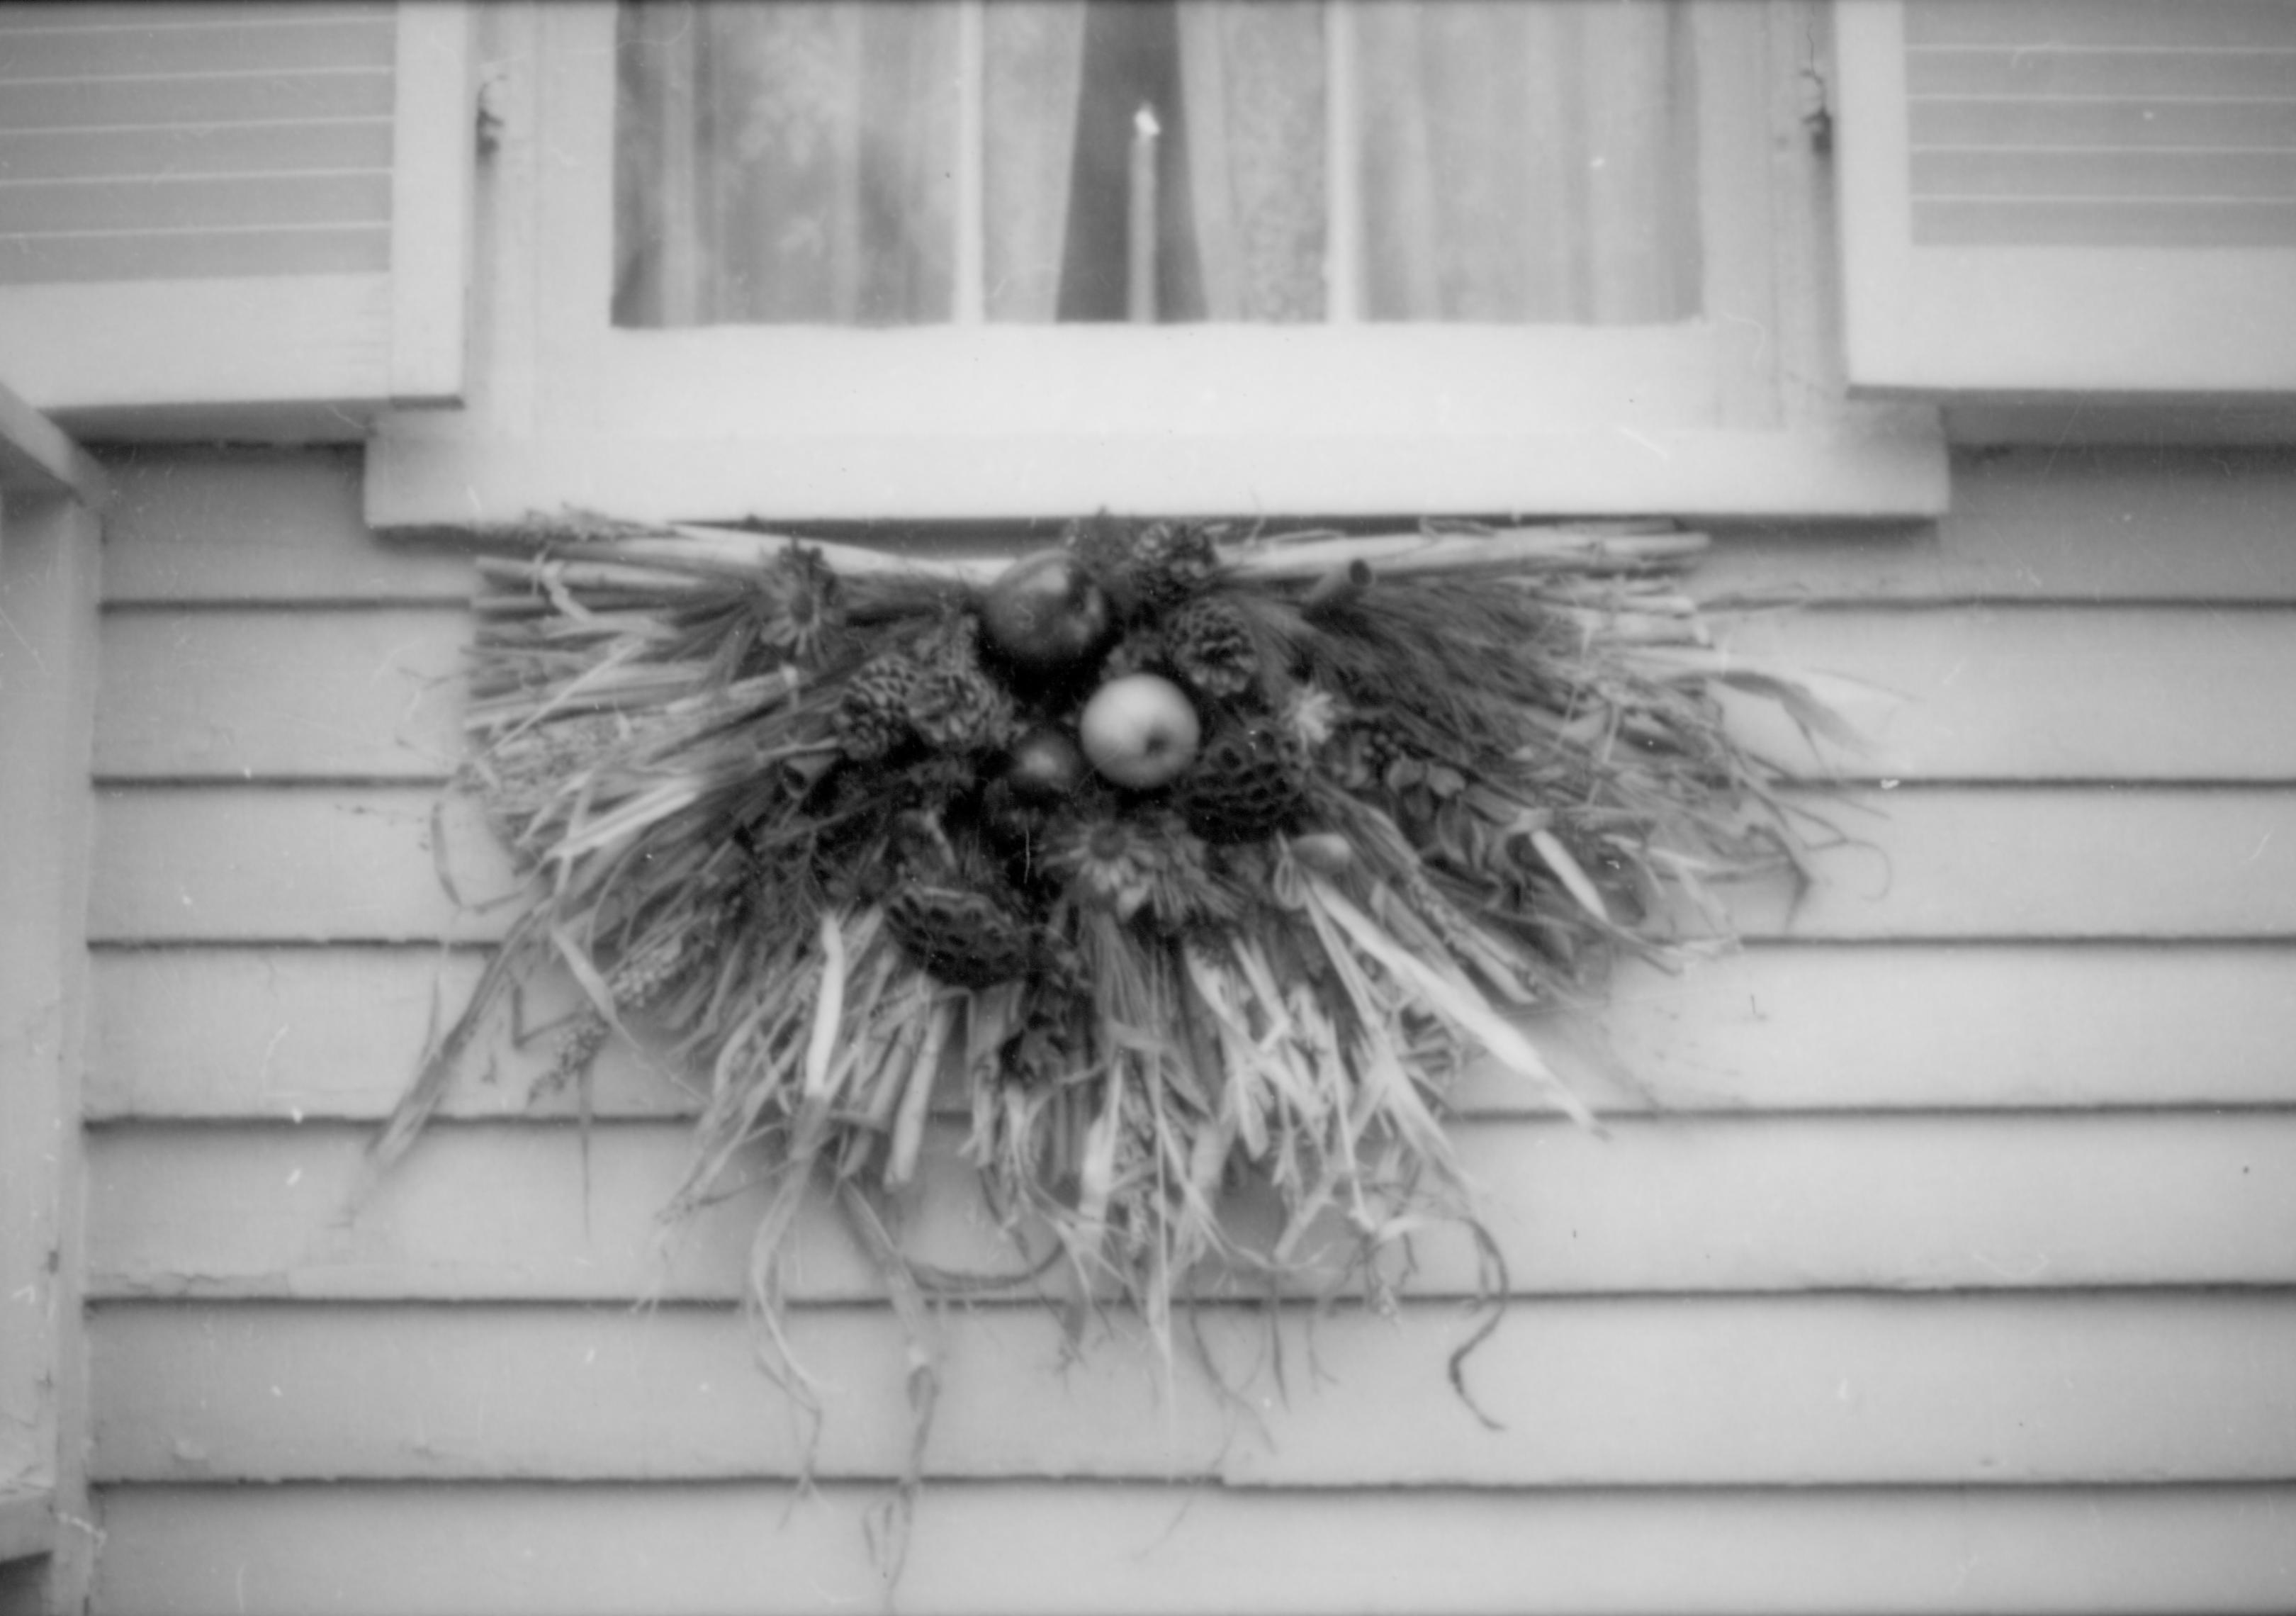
x,y
269,42
1940,122
2052,71
2065,197
186,150
159,206
284,254
2034,221
223,98
2220,24
2192,176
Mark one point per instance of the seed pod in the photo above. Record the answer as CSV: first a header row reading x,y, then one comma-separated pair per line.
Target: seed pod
x,y
1246,784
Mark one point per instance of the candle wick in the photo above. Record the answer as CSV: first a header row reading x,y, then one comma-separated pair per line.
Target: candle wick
x,y
1143,121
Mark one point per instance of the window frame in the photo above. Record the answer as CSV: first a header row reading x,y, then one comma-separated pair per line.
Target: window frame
x,y
1741,411
49,559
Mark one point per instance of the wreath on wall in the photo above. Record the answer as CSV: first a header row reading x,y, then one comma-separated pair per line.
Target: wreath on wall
x,y
1181,860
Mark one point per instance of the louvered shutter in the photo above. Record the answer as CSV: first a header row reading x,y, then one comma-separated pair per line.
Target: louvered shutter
x,y
2045,196
209,207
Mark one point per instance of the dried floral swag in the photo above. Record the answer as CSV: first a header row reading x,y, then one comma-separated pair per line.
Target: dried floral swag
x,y
852,833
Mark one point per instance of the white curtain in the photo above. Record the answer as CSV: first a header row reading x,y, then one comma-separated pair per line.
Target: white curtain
x,y
1518,162
1253,87
1526,162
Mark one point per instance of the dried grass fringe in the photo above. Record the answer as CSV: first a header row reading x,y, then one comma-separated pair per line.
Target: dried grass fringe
x,y
1516,772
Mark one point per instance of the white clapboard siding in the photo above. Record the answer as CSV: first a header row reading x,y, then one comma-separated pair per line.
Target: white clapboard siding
x,y
217,864
1847,1389
277,526
1974,1201
2068,524
197,694
1937,1256
296,1033
1066,1549
1973,693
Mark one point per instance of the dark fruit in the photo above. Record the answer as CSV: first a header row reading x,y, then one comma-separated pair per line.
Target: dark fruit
x,y
1047,614
1044,769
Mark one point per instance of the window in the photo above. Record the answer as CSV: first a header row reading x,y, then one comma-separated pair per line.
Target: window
x,y
1019,260
1277,162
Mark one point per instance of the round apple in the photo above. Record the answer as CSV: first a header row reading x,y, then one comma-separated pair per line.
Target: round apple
x,y
1046,613
1140,731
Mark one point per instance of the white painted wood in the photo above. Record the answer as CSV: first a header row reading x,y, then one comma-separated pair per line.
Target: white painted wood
x,y
1844,1390
2064,524
249,864
290,1034
1004,421
1928,317
1975,1203
1148,470
38,461
2012,694
354,298
82,352
434,129
2006,692
312,695
48,573
309,864
2060,522
27,1522
254,525
1053,1549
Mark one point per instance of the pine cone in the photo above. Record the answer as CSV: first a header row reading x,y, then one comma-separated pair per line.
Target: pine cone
x,y
1244,785
1210,646
963,936
952,703
1143,651
1103,543
872,717
1169,562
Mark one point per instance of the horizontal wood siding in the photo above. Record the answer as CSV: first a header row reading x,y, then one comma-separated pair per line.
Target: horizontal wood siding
x,y
1941,1254
1080,1549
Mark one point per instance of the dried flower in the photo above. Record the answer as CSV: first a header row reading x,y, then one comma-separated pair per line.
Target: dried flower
x,y
1142,863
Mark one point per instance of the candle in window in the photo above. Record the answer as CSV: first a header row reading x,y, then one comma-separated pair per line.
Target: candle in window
x,y
1140,238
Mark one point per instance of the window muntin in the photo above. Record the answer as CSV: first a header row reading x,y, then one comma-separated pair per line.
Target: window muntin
x,y
1740,409
1281,162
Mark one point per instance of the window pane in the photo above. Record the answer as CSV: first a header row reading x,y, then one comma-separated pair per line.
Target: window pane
x,y
1528,163
788,162
1507,162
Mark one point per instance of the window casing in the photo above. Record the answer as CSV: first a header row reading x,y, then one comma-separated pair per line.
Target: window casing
x,y
1741,410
